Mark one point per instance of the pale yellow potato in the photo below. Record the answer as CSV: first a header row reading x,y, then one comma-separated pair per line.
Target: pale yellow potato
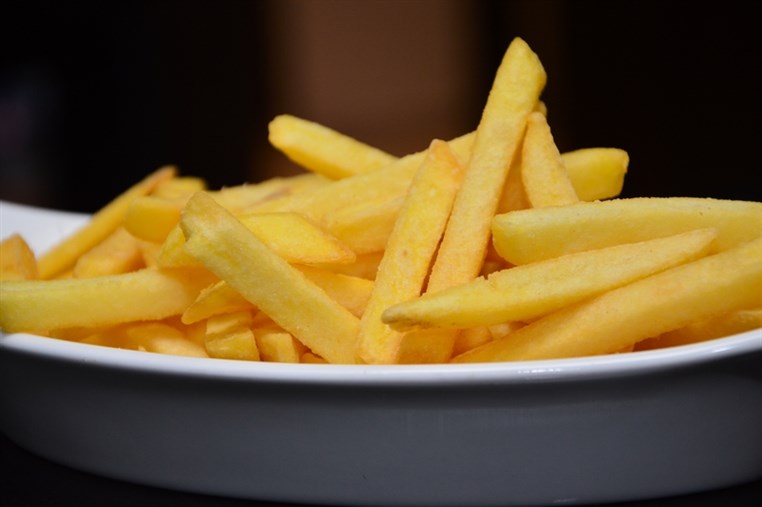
x,y
410,249
119,253
290,235
735,322
525,236
596,173
528,291
64,254
365,266
229,250
613,321
543,174
147,294
17,260
322,150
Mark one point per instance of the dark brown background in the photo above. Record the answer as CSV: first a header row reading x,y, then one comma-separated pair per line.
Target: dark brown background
x,y
93,95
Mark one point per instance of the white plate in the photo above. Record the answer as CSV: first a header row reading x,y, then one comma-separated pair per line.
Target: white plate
x,y
601,429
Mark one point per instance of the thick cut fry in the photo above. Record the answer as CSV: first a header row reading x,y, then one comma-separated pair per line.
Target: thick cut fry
x,y
228,249
531,235
698,290
546,181
17,260
148,294
322,150
65,253
411,247
290,235
514,95
526,292
596,173
179,188
238,343
515,92
119,253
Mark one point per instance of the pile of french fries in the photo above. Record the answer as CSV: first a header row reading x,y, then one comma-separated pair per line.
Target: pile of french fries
x,y
490,247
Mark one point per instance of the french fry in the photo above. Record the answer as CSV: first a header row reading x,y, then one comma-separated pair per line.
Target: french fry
x,y
159,338
119,253
228,249
43,305
65,253
323,150
278,346
596,173
242,198
515,92
543,174
614,320
411,247
229,336
152,218
365,227
529,291
525,236
17,260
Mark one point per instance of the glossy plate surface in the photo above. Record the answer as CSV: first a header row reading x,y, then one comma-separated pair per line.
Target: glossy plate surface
x,y
600,429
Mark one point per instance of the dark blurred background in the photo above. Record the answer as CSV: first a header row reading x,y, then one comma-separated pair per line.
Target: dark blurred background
x,y
94,95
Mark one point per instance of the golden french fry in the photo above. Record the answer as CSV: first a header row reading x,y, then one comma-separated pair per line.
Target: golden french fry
x,y
17,260
411,247
228,249
41,305
525,236
702,289
323,150
119,253
519,81
515,92
179,188
596,173
528,291
543,174
65,253
229,336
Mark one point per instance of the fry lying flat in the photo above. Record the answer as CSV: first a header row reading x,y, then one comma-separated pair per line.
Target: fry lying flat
x,y
617,319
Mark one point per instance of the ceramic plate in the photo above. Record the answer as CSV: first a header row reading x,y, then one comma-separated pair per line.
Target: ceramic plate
x,y
600,429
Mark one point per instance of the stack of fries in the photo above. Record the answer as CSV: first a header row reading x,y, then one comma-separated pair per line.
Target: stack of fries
x,y
490,247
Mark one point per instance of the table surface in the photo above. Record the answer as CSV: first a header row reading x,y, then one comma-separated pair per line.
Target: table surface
x,y
30,481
